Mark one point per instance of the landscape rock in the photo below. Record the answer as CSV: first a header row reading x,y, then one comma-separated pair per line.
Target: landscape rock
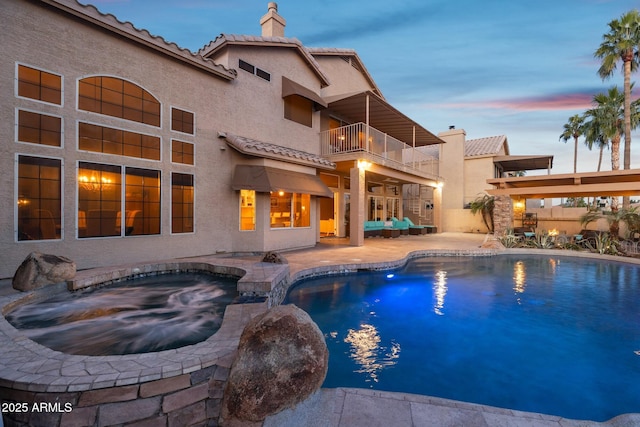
x,y
274,257
38,270
282,359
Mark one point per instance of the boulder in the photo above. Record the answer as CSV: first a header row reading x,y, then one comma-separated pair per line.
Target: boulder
x,y
274,257
38,270
282,359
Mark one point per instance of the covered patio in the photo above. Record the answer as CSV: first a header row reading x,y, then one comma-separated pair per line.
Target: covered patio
x,y
376,144
586,184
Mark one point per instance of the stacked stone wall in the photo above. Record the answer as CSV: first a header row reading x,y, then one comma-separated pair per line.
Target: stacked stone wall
x,y
502,214
184,400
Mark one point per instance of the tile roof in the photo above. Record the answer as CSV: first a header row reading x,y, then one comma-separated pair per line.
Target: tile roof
x,y
109,22
256,148
486,146
248,40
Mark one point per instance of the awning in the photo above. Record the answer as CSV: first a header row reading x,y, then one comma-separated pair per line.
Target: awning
x,y
289,87
523,163
382,116
264,179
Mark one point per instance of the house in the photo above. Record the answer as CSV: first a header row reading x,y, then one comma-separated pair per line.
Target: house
x,y
121,147
465,167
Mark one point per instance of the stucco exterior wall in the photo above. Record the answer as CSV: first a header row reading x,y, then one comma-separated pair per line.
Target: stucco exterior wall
x,y
462,221
46,39
343,76
476,172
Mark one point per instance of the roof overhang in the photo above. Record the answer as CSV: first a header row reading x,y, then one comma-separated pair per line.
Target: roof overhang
x,y
91,14
523,163
382,116
266,150
265,179
289,87
588,184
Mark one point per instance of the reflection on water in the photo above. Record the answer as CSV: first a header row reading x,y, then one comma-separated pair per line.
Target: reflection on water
x,y
557,335
439,291
367,352
519,279
136,316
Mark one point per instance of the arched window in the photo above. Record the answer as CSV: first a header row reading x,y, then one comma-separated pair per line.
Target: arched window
x,y
118,98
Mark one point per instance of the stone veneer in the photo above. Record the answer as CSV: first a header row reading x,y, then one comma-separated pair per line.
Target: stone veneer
x,y
502,215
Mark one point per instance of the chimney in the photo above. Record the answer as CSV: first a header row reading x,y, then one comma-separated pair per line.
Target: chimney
x,y
272,23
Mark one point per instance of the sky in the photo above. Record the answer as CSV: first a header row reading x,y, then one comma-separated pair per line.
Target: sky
x,y
493,67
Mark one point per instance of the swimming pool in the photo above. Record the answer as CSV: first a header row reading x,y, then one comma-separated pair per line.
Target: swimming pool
x,y
555,335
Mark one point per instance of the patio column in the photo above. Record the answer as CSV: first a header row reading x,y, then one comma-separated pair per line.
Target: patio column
x,y
357,213
437,207
502,214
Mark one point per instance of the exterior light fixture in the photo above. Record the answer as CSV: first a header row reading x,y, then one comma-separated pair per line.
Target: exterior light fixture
x,y
363,164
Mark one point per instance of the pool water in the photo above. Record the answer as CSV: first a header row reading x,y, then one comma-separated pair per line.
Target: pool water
x,y
140,315
554,335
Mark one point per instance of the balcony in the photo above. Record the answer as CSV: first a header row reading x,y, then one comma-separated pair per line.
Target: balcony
x,y
361,141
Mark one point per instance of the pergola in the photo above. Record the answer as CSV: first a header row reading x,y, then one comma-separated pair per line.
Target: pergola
x,y
585,184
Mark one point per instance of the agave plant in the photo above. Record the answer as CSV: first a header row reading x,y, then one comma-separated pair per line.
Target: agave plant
x,y
541,241
510,240
603,243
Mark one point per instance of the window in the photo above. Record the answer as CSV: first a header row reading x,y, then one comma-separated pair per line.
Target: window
x,y
100,203
39,128
142,202
118,98
181,152
39,85
99,200
393,208
290,210
181,203
182,121
39,198
247,210
115,141
376,209
299,110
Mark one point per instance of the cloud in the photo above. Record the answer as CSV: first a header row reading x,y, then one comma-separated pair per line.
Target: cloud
x,y
380,22
554,102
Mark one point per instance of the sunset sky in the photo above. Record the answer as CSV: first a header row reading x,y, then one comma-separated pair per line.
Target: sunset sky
x,y
494,67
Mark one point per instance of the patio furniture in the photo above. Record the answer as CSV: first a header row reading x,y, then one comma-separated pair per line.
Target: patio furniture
x,y
417,229
390,232
530,220
403,226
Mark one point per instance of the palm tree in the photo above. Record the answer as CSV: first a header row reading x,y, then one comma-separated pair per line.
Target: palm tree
x,y
484,204
573,129
606,120
593,136
622,43
604,124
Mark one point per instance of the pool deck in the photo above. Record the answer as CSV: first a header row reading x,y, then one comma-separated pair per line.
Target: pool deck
x,y
368,408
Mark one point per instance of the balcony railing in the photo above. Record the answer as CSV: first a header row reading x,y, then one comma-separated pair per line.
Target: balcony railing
x,y
384,148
